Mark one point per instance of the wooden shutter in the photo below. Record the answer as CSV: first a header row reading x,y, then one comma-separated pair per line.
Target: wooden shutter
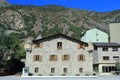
x,y
40,58
62,57
83,46
34,57
35,45
83,57
78,57
78,46
68,57
40,45
55,57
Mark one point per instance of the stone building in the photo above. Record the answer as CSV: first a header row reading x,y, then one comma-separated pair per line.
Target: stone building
x,y
58,55
105,55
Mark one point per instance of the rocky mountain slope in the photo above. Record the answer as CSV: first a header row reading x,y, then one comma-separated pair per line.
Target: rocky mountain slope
x,y
47,20
3,3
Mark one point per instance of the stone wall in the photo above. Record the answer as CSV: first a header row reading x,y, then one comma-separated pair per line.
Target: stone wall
x,y
68,47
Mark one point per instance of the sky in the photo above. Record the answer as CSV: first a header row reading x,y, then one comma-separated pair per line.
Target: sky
x,y
91,5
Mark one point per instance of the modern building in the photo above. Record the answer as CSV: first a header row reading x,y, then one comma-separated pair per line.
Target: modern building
x,y
58,55
105,55
114,32
94,35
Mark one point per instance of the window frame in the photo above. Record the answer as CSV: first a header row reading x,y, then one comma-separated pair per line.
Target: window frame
x,y
105,49
65,57
37,58
53,57
81,70
36,70
59,45
114,49
53,70
106,58
65,70
116,58
81,57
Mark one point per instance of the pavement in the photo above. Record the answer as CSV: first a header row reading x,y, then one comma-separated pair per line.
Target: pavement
x,y
13,77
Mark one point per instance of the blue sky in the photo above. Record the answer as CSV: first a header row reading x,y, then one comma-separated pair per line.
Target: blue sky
x,y
92,5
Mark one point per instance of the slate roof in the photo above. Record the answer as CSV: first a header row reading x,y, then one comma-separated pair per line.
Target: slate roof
x,y
57,36
106,44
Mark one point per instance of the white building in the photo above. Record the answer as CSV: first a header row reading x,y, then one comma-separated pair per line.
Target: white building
x,y
94,35
59,55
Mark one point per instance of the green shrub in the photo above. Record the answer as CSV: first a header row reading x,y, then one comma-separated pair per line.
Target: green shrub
x,y
86,74
51,75
63,74
39,74
77,74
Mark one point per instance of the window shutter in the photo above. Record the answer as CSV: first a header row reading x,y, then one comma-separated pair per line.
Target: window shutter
x,y
34,58
62,57
78,57
35,45
68,57
83,46
55,57
40,58
83,57
78,46
40,45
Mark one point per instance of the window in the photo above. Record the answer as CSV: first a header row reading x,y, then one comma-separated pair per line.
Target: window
x,y
81,70
52,70
97,39
105,57
116,58
105,49
53,57
81,57
59,45
65,70
37,58
36,70
81,46
65,57
108,69
38,45
114,49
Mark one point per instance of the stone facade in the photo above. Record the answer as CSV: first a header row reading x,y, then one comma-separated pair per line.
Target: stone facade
x,y
106,55
69,47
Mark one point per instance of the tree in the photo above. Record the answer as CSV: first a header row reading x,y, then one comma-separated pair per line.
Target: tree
x,y
118,67
10,46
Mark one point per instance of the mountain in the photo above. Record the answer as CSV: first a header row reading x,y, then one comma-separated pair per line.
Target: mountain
x,y
28,21
4,3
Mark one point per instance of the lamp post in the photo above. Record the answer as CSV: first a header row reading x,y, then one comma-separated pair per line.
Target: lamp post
x,y
28,46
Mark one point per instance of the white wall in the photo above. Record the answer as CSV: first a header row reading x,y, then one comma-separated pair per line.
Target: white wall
x,y
95,35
